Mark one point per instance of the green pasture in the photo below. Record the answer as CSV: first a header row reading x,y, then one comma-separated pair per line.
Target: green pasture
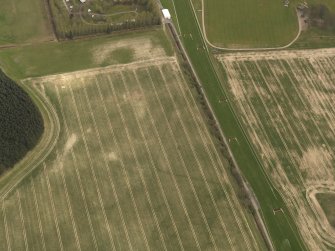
x,y
249,24
67,56
23,22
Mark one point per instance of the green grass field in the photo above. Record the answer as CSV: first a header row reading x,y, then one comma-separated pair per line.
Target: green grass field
x,y
67,56
24,22
134,168
249,24
285,101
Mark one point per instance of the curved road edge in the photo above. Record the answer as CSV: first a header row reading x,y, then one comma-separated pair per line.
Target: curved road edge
x,y
36,156
243,49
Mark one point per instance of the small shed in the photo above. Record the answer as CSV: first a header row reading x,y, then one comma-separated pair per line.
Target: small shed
x,y
166,13
83,1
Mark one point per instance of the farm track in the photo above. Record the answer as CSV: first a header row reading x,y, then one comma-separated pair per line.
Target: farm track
x,y
203,25
101,195
270,92
44,147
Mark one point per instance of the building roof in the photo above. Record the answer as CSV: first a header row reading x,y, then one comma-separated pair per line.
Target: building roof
x,y
166,13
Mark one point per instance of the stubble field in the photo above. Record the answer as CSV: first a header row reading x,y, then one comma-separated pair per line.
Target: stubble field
x,y
286,104
134,168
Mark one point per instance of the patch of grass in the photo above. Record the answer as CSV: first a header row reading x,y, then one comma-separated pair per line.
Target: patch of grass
x,y
123,55
249,24
23,21
67,56
327,202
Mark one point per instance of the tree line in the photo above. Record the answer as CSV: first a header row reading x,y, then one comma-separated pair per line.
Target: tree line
x,y
320,16
70,25
21,123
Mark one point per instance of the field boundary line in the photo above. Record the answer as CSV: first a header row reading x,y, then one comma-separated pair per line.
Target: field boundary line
x,y
90,160
223,225
121,161
108,69
219,165
105,159
106,163
122,118
6,226
22,222
172,174
135,156
37,211
268,55
74,226
242,49
157,176
76,170
53,207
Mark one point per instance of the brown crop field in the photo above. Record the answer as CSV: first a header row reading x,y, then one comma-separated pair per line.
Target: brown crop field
x,y
286,104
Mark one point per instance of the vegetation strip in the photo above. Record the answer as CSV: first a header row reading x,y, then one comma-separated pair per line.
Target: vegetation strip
x,y
281,228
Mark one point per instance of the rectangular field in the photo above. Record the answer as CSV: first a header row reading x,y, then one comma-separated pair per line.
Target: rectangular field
x,y
249,24
286,104
24,21
134,168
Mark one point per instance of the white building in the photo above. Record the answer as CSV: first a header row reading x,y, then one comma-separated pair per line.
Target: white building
x,y
166,13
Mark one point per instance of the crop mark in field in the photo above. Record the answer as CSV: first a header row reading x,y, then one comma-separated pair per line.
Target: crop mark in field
x,y
77,172
200,121
92,168
22,221
68,146
126,173
106,164
6,226
291,86
196,158
40,227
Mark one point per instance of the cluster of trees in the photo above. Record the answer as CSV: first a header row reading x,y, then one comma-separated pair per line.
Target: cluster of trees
x,y
21,123
70,25
320,16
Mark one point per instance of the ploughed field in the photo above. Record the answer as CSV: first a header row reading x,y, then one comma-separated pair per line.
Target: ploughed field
x,y
134,168
286,104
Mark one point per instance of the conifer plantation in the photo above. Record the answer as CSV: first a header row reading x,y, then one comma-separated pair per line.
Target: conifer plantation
x,y
21,123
